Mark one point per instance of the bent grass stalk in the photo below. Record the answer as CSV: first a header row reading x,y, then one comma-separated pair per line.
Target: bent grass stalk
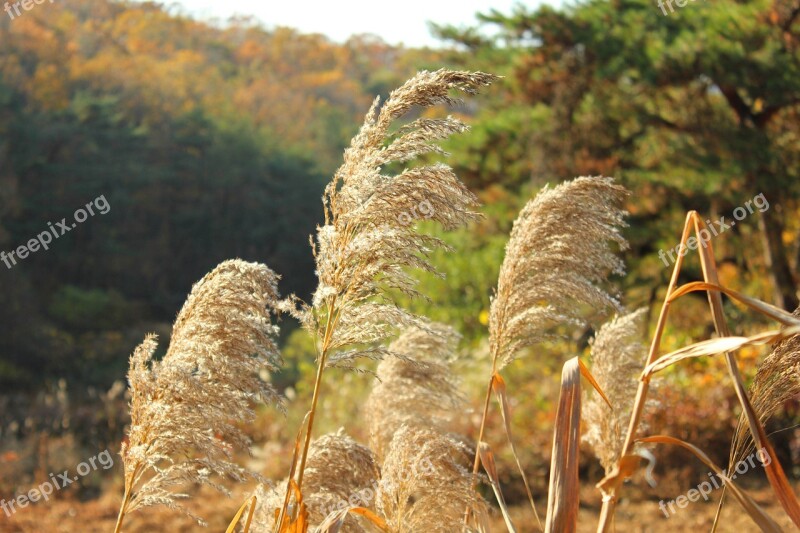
x,y
330,324
775,474
126,498
610,500
251,502
299,464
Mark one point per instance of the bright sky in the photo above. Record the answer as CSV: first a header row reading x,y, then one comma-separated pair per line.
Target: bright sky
x,y
401,21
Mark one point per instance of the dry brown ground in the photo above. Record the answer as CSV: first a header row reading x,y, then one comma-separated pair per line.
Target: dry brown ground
x,y
99,516
644,516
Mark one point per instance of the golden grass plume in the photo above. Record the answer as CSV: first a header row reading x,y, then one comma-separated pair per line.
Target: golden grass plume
x,y
338,470
617,358
425,483
417,389
777,380
557,261
185,408
367,243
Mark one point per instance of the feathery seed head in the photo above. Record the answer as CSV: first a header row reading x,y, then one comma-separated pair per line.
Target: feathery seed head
x,y
366,244
557,260
777,380
415,389
338,469
425,483
339,465
184,408
617,359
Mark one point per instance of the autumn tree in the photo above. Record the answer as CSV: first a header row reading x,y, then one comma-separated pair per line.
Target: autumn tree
x,y
696,105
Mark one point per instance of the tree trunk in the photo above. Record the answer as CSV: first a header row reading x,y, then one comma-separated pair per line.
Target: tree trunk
x,y
776,259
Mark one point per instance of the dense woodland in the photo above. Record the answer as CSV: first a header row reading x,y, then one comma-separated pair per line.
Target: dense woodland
x,y
208,144
215,142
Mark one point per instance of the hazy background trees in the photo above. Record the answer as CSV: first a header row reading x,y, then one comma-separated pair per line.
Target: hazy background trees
x,y
211,143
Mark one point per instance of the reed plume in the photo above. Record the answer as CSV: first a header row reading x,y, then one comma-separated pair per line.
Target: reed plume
x,y
555,271
417,390
777,381
338,470
425,483
367,243
617,359
185,407
557,262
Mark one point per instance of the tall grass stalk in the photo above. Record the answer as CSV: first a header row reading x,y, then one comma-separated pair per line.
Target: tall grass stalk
x,y
366,245
610,500
556,265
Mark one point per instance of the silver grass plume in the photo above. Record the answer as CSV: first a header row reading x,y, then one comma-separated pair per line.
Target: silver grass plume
x,y
417,389
557,260
425,483
338,469
186,407
617,358
367,243
777,380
